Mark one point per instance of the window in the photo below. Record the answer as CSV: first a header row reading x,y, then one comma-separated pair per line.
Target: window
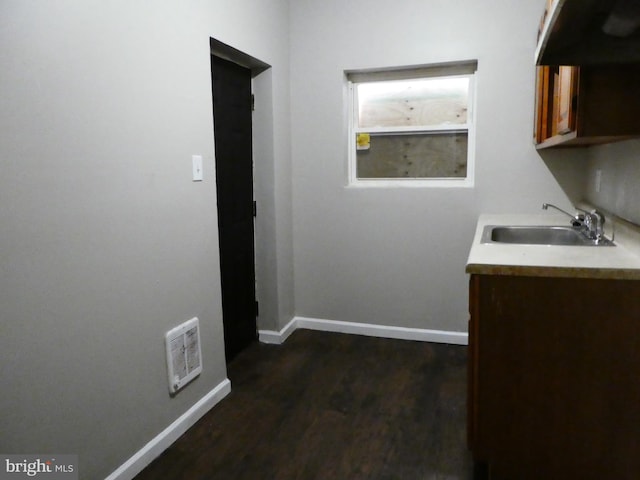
x,y
412,126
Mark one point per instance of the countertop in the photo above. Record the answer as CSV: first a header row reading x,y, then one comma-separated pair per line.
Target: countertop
x,y
621,262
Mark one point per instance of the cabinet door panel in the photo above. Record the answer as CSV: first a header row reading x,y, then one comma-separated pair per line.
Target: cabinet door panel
x,y
542,130
472,371
567,86
556,368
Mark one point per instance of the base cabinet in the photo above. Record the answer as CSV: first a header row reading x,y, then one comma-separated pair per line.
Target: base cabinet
x,y
554,377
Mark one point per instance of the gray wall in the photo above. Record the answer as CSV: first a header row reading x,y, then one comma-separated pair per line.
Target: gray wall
x,y
106,242
620,178
397,255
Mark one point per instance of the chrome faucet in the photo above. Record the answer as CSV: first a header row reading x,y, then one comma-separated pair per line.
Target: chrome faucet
x,y
591,223
594,224
576,220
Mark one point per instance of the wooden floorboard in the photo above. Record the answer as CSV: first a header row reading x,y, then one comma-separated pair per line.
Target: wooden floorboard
x,y
332,406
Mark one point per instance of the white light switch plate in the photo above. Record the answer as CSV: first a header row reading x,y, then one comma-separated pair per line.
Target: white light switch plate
x,y
197,167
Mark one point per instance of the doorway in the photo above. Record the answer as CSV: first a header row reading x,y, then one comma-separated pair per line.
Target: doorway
x,y
232,105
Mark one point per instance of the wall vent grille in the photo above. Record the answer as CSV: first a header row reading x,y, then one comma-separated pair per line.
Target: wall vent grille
x,y
184,356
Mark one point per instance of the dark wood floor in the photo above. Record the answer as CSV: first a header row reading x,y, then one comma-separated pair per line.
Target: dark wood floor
x,y
332,406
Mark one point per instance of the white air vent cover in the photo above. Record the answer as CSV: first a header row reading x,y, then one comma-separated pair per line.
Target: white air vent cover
x,y
184,358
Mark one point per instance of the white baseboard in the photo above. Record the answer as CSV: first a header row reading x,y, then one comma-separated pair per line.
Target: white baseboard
x,y
368,329
164,439
276,338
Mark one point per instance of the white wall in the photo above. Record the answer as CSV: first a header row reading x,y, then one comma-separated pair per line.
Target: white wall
x,y
106,242
397,256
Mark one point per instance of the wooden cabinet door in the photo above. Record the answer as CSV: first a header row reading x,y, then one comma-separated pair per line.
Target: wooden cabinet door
x,y
472,368
554,383
567,86
556,101
542,129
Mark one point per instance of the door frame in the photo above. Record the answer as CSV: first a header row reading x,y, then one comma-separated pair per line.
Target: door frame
x,y
263,190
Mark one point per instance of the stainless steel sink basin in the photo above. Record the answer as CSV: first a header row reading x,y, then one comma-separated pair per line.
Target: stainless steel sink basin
x,y
540,235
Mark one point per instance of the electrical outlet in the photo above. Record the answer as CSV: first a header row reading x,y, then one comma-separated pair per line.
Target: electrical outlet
x,y
598,181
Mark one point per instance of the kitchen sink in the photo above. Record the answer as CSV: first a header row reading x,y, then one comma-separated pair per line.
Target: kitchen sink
x,y
540,235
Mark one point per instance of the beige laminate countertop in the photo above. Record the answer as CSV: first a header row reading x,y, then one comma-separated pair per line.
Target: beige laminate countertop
x,y
619,262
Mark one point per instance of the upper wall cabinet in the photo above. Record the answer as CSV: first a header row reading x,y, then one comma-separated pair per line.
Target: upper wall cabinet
x,y
587,105
589,32
588,83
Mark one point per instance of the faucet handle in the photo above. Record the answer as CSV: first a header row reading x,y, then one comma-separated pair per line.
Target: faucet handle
x,y
579,220
599,215
599,218
593,224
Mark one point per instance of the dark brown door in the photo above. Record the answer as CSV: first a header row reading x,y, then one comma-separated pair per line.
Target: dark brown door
x,y
234,180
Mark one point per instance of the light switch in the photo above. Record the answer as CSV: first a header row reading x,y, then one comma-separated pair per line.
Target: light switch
x,y
197,167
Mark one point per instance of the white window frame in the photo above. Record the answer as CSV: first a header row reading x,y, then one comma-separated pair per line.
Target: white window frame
x,y
438,182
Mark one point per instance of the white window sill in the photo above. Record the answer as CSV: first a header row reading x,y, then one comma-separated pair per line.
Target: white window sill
x,y
413,183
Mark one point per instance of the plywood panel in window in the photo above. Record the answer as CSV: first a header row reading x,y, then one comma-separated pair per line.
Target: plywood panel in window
x,y
441,155
429,102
